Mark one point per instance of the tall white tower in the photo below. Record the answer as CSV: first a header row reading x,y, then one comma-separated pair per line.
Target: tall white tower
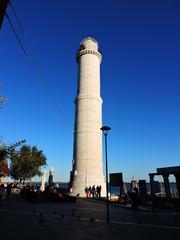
x,y
87,154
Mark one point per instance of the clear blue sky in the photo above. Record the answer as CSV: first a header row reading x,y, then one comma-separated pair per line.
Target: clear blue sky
x,y
140,80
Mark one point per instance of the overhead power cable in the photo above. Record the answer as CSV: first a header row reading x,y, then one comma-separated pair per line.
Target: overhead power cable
x,y
16,17
28,53
12,27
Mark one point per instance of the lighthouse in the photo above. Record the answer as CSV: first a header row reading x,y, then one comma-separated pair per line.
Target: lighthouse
x,y
87,169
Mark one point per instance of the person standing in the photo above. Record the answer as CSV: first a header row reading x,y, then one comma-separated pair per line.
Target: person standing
x,y
1,191
86,191
8,190
99,190
93,191
89,191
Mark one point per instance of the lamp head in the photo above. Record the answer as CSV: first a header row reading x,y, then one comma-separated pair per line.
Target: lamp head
x,y
105,129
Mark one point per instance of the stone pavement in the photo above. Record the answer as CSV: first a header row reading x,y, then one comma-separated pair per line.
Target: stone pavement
x,y
83,219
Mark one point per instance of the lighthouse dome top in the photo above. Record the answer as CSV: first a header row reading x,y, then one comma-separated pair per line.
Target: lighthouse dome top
x,y
89,43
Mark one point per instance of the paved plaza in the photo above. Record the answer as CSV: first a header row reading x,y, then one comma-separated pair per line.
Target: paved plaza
x,y
84,219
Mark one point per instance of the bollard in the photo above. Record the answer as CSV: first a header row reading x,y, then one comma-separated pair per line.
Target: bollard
x,y
41,220
139,221
41,214
79,217
34,210
73,212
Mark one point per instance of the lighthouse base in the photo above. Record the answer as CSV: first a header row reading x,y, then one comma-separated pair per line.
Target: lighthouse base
x,y
80,184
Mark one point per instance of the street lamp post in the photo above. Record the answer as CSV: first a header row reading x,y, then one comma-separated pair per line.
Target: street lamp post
x,y
105,130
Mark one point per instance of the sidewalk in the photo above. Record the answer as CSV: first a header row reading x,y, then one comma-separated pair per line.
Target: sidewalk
x,y
80,220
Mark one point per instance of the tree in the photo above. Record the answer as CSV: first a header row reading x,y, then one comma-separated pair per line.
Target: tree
x,y
7,150
26,163
5,153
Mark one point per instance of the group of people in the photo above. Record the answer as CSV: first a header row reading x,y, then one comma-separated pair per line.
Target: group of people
x,y
94,191
50,194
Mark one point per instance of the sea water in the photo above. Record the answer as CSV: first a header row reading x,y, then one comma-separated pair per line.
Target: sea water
x,y
115,190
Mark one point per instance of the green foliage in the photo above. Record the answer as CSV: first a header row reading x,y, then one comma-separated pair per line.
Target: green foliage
x,y
3,150
3,160
3,153
7,150
26,163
